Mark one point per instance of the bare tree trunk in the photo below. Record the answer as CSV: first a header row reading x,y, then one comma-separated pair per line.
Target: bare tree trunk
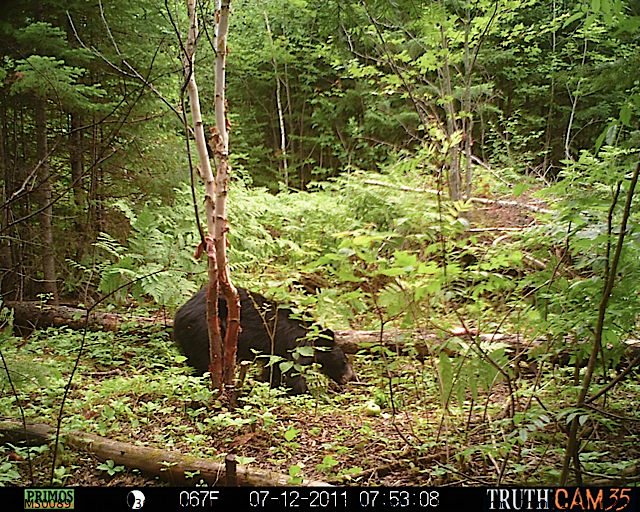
x,y
46,216
95,217
222,356
215,336
467,120
223,170
14,184
283,139
6,261
574,104
76,161
454,178
546,162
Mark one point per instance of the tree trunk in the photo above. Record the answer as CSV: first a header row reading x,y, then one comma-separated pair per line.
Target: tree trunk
x,y
213,323
46,215
283,139
467,120
222,355
454,177
95,203
76,162
7,276
223,170
547,162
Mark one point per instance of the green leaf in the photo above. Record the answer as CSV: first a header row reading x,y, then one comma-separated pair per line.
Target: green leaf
x,y
587,23
393,272
625,114
519,189
295,470
291,434
285,366
305,351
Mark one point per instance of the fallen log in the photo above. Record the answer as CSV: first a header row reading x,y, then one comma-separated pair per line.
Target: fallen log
x,y
480,200
28,316
168,466
34,315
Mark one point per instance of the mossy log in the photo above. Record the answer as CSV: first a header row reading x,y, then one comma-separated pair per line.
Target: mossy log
x,y
28,316
169,466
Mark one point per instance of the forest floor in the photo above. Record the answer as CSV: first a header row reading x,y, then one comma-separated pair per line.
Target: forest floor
x,y
329,437
340,445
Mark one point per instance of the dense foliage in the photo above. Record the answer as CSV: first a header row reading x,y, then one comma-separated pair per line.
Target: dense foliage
x,y
365,137
316,90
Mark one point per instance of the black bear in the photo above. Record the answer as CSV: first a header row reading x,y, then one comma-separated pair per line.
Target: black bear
x,y
263,332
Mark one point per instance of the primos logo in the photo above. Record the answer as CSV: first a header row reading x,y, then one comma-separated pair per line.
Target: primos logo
x,y
49,498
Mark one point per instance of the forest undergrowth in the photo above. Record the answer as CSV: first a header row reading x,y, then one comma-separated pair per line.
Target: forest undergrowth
x,y
486,313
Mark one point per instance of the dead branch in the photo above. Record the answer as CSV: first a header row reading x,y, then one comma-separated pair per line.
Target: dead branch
x,y
481,200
